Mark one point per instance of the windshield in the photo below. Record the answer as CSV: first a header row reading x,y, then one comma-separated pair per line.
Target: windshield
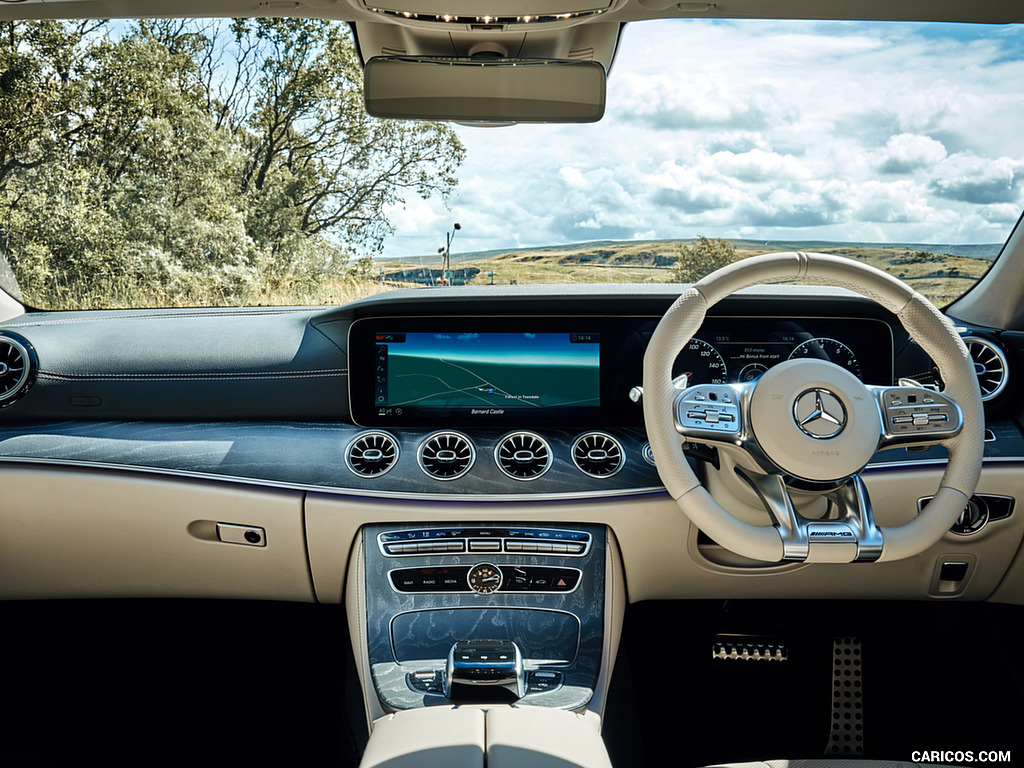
x,y
182,163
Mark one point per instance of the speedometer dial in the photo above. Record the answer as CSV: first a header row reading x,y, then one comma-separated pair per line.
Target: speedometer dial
x,y
831,350
701,363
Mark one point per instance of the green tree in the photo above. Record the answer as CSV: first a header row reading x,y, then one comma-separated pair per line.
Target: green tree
x,y
315,163
193,161
702,257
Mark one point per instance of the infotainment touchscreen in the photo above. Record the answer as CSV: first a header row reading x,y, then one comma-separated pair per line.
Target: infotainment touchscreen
x,y
480,376
573,372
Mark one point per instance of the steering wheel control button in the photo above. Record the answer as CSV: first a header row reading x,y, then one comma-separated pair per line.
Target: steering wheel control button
x,y
708,408
909,414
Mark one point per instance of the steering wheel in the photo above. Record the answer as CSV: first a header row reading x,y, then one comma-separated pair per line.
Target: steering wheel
x,y
813,425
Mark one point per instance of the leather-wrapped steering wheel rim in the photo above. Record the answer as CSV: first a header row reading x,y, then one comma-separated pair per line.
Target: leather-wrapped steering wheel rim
x,y
932,331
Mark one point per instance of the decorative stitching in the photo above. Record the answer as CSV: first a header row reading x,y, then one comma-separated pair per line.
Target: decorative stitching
x,y
329,373
25,321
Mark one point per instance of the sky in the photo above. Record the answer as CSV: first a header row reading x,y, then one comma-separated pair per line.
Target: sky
x,y
890,133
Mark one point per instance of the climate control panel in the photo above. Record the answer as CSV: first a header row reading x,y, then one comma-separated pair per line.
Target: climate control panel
x,y
443,541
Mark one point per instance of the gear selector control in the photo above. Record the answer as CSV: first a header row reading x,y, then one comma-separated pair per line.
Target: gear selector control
x,y
474,663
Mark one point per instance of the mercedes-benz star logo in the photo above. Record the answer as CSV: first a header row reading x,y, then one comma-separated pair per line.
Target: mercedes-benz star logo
x,y
819,414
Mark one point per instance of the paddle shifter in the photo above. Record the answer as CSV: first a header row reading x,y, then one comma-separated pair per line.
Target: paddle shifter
x,y
495,663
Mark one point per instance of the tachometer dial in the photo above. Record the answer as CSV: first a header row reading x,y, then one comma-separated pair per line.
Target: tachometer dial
x,y
484,578
700,363
831,350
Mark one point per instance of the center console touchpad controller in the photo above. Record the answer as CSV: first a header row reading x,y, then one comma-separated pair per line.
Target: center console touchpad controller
x,y
485,663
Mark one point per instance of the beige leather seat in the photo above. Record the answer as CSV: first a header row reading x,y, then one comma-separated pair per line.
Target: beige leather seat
x,y
498,737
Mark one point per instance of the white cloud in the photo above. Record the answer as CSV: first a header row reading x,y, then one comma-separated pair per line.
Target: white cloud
x,y
908,152
967,178
768,130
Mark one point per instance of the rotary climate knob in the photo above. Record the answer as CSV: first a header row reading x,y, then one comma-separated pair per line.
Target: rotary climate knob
x,y
484,578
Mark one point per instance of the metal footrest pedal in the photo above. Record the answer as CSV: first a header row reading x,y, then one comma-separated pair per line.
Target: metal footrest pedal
x,y
847,736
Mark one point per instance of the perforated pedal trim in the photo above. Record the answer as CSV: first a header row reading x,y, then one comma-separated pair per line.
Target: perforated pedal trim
x,y
847,737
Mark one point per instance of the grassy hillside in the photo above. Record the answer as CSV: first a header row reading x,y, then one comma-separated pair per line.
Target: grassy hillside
x,y
938,275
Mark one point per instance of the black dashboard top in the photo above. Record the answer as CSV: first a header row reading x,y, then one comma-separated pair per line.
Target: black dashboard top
x,y
532,402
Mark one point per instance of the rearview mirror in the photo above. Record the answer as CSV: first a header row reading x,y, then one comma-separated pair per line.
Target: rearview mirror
x,y
484,90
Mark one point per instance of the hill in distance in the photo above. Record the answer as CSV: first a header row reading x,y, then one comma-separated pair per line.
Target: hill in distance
x,y
938,271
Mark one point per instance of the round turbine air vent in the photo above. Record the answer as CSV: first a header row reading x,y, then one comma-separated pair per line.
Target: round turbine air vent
x,y
372,454
446,455
989,364
17,368
597,454
523,455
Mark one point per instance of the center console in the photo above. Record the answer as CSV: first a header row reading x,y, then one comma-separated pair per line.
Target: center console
x,y
485,613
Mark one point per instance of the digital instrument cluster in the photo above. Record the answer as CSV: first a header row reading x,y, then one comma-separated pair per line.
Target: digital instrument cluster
x,y
741,349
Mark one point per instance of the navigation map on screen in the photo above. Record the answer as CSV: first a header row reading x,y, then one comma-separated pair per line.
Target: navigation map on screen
x,y
487,373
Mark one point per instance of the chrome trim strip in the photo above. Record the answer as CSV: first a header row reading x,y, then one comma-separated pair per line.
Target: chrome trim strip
x,y
567,496
465,541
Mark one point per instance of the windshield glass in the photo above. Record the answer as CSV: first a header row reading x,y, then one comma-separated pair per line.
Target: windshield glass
x,y
183,162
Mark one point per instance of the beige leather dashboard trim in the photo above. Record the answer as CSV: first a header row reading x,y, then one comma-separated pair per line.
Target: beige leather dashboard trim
x,y
75,533
652,536
81,533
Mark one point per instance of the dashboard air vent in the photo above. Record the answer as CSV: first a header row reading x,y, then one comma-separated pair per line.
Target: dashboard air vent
x,y
989,364
372,454
17,368
523,455
597,454
446,455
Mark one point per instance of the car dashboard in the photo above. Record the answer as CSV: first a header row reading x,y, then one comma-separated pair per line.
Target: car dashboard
x,y
451,465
